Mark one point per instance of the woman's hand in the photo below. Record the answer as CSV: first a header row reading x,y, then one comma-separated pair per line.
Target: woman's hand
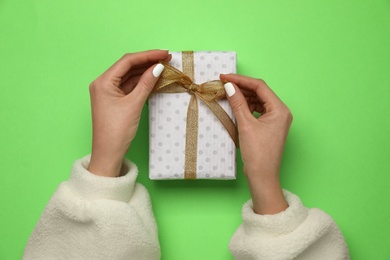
x,y
117,98
261,139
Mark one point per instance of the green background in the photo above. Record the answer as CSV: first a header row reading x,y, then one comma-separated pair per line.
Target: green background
x,y
329,61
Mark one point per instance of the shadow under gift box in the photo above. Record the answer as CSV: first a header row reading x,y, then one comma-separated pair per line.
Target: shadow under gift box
x,y
216,151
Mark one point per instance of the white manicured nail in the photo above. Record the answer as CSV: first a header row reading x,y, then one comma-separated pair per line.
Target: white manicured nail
x,y
157,70
229,88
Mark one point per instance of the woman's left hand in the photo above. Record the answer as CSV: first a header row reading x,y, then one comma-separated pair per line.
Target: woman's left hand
x,y
117,98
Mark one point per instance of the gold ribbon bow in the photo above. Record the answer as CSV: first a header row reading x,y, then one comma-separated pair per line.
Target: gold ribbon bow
x,y
173,80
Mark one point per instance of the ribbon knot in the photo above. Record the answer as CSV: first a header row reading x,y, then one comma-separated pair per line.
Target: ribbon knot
x,y
193,87
173,80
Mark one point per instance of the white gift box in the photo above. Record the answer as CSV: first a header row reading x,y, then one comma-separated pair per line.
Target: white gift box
x,y
216,155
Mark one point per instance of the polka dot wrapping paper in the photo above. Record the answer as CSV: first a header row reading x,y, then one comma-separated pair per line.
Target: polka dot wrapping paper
x,y
216,155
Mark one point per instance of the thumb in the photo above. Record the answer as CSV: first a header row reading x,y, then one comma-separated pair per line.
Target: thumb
x,y
237,102
146,83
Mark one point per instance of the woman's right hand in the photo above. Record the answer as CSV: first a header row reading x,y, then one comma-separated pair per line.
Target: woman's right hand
x,y
261,139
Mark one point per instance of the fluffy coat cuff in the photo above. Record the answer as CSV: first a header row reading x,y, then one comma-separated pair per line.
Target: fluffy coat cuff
x,y
296,233
95,217
92,187
283,222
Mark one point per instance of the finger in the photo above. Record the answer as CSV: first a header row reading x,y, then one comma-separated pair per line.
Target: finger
x,y
256,107
252,99
237,103
263,92
252,107
254,104
134,72
248,93
140,69
130,84
149,64
122,66
146,83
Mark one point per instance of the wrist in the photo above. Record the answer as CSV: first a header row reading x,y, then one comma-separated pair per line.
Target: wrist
x,y
105,165
267,194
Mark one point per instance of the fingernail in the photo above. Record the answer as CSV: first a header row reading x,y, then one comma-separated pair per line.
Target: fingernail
x,y
157,70
229,88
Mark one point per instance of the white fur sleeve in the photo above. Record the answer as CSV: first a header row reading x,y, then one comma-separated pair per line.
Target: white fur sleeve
x,y
94,217
296,233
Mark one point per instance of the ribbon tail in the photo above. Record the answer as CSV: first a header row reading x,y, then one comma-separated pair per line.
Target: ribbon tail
x,y
191,139
224,118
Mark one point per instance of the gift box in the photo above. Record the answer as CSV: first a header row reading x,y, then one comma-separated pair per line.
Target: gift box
x,y
171,151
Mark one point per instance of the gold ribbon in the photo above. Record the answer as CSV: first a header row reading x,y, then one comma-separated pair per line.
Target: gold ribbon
x,y
173,80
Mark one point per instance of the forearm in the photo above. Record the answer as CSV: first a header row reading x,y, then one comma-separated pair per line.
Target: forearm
x,y
264,184
107,153
267,195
